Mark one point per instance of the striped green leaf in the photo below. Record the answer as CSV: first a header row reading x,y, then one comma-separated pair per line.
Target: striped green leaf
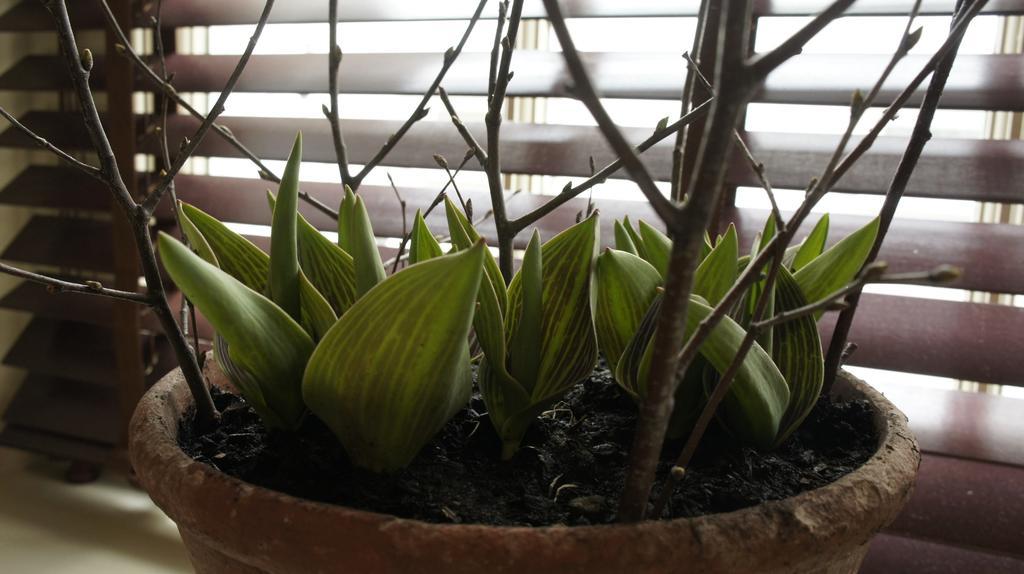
x,y
284,255
369,269
395,368
623,242
717,273
813,246
568,343
492,298
525,344
638,242
422,245
631,370
626,285
657,246
235,255
195,237
838,265
345,215
464,236
326,266
263,340
758,397
797,353
316,314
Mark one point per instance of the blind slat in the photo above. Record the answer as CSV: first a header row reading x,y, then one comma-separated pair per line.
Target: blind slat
x,y
990,82
29,15
981,170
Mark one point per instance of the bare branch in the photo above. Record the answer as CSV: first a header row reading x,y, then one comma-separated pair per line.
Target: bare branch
x,y
206,412
149,205
319,205
55,285
584,90
433,204
421,110
91,171
168,90
478,152
568,193
756,166
918,139
501,64
333,63
401,203
687,231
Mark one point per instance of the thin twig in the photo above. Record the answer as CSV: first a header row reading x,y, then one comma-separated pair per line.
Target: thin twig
x,y
333,64
898,185
570,192
443,164
421,109
55,285
583,89
401,203
206,412
150,203
433,204
502,74
478,152
186,313
168,90
91,171
837,166
319,205
756,166
818,188
687,100
870,274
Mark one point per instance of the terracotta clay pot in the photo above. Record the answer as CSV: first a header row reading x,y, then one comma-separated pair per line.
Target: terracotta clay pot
x,y
230,526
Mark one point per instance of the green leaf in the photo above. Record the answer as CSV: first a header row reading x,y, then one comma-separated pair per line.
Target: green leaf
x,y
719,270
368,266
235,255
327,267
464,236
284,255
195,237
626,286
568,343
838,266
812,247
395,368
489,320
623,242
798,355
631,371
758,397
423,245
263,340
346,213
638,242
524,347
317,316
657,247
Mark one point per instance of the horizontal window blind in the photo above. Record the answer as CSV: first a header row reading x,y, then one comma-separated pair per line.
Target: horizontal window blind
x,y
909,336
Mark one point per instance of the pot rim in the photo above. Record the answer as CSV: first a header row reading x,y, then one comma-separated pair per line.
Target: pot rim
x,y
827,515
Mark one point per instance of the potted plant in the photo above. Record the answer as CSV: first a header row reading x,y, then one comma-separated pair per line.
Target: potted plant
x,y
454,415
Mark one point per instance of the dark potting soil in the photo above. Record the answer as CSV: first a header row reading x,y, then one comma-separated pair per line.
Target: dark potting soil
x,y
569,471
